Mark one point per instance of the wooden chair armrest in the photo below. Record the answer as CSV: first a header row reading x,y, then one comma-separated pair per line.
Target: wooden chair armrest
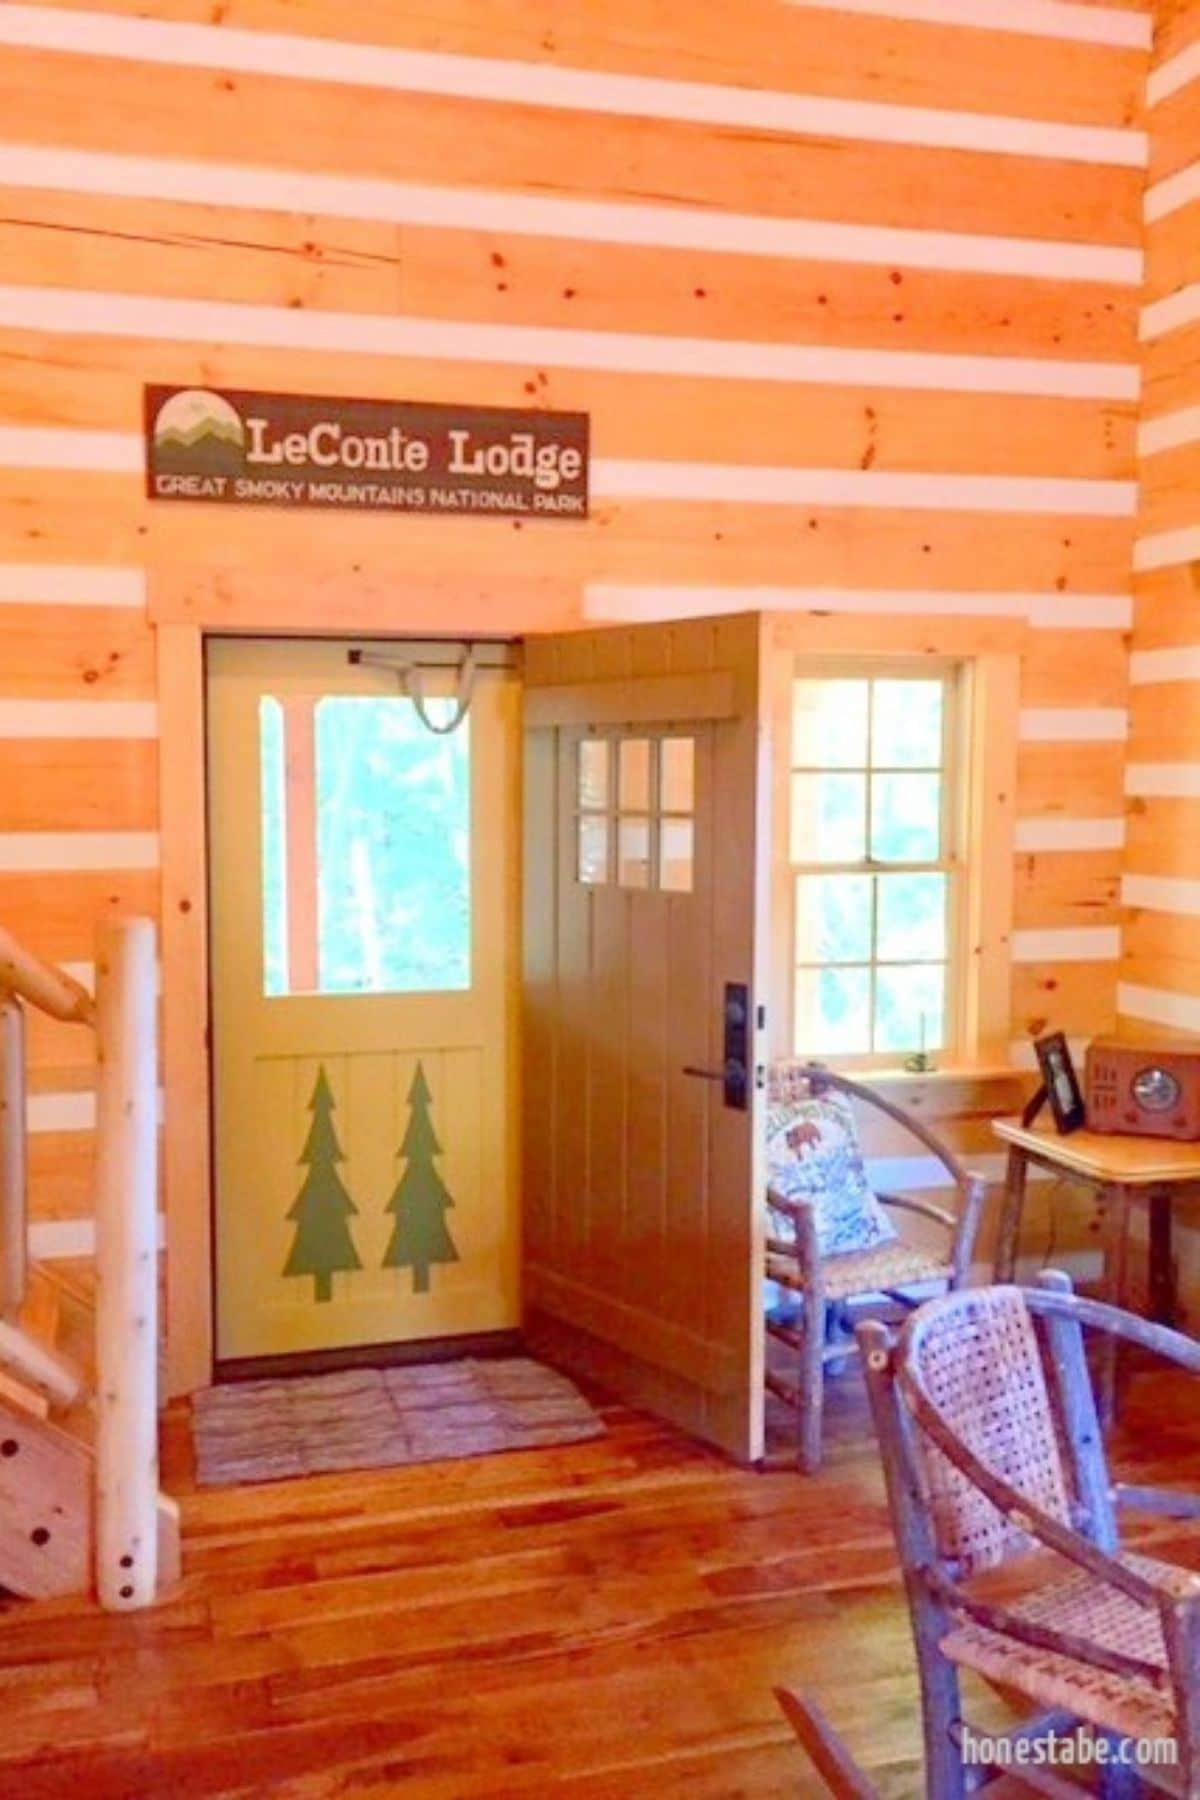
x,y
1098,1315
926,1208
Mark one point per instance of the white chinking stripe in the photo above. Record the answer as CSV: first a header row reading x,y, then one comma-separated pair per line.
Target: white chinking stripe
x,y
1163,780
1023,1055
764,485
1158,1006
1067,943
78,719
627,603
1164,549
1073,724
754,483
1169,431
51,1240
71,584
280,327
1181,663
1170,314
1167,196
75,1111
1113,25
1032,835
543,84
1175,73
581,221
62,852
1161,893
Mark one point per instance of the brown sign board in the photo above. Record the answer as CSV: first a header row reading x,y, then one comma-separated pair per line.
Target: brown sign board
x,y
234,448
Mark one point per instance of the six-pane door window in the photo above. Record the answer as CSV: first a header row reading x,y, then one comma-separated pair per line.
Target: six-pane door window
x,y
874,866
635,812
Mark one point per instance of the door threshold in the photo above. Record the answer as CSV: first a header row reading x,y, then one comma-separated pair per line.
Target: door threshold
x,y
369,1356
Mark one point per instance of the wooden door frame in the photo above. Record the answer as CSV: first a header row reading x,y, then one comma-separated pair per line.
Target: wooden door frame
x,y
185,607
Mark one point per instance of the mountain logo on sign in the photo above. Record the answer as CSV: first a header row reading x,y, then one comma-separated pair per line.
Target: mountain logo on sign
x,y
198,433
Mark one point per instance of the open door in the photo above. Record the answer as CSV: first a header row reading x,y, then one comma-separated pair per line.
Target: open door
x,y
646,945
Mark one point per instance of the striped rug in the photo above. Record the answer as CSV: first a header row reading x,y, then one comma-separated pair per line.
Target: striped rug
x,y
382,1418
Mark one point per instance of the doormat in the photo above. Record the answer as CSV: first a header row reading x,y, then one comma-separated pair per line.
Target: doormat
x,y
383,1418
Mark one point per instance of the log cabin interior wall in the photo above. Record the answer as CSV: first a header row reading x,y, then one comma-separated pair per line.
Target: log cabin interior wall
x,y
1160,970
850,292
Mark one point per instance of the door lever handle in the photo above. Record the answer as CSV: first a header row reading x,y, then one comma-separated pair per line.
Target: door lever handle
x,y
704,1074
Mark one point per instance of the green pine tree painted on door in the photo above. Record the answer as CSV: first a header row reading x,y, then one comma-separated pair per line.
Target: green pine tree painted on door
x,y
322,1246
420,1199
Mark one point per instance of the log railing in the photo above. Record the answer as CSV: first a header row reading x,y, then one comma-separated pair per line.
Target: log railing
x,y
124,1016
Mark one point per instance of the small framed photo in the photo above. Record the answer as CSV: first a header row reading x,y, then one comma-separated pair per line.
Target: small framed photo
x,y
1061,1082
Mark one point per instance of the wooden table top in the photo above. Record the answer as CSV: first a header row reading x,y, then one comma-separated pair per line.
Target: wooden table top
x,y
1133,1161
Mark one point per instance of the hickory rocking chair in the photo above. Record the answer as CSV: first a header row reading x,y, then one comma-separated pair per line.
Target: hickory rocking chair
x,y
837,1263
1006,1523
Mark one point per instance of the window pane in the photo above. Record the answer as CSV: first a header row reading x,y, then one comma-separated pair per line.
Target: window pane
x,y
906,818
906,726
634,775
833,918
675,852
829,724
911,924
829,818
677,775
393,804
593,848
910,1007
593,772
833,1012
633,853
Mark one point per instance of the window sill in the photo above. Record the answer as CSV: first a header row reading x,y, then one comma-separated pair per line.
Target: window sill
x,y
945,1072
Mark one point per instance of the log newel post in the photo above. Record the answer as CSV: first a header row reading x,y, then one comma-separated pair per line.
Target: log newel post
x,y
13,1168
126,1265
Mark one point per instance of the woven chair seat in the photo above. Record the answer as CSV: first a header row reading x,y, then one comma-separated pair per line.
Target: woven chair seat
x,y
881,1269
1084,1607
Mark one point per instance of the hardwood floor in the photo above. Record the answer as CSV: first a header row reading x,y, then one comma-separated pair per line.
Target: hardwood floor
x,y
603,1620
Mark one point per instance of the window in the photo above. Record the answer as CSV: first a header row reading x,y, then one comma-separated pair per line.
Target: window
x,y
635,817
875,870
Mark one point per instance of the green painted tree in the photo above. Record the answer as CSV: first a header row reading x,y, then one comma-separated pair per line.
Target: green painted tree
x,y
420,1200
322,1245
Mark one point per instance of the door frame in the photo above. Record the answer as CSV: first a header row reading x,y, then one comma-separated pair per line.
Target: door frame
x,y
184,607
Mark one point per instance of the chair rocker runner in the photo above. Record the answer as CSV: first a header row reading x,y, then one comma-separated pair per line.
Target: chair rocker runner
x,y
830,1242
1006,1524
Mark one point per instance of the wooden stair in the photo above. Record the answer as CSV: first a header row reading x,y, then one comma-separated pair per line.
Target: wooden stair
x,y
47,1483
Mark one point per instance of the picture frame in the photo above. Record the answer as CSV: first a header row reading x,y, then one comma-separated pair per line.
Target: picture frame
x,y
1060,1082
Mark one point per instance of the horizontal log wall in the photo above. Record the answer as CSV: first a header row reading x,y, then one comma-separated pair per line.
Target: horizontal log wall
x,y
849,292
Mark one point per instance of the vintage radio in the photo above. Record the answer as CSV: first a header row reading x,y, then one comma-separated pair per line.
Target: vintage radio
x,y
1148,1090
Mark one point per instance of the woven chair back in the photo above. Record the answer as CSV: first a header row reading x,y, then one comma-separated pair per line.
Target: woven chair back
x,y
977,1358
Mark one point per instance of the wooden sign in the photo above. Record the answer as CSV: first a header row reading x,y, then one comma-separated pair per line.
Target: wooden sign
x,y
230,447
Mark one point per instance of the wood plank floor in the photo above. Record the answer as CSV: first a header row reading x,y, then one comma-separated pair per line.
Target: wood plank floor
x,y
603,1620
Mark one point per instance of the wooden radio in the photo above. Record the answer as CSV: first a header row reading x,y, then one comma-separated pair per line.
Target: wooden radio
x,y
1147,1090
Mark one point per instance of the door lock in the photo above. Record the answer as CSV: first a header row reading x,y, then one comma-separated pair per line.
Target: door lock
x,y
732,1075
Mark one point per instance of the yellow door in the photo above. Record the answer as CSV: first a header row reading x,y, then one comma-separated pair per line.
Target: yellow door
x,y
364,969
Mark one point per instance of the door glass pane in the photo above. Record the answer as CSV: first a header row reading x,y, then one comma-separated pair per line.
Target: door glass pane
x,y
633,852
910,1007
275,932
369,878
675,855
677,775
833,1012
829,818
634,775
593,773
593,848
833,918
906,818
911,923
829,724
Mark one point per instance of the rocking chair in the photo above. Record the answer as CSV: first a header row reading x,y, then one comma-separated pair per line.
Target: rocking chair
x,y
838,1274
1006,1524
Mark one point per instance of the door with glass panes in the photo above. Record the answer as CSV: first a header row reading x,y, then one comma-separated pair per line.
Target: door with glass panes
x,y
364,962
